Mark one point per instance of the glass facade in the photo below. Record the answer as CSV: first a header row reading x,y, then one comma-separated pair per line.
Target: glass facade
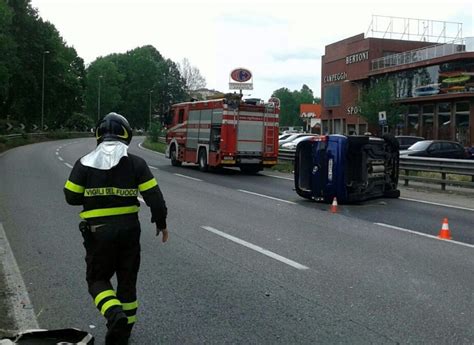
x,y
444,121
453,77
462,133
332,95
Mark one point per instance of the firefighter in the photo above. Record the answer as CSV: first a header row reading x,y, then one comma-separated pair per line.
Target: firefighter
x,y
106,183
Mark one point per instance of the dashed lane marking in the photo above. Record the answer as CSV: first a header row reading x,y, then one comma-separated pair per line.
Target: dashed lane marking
x,y
68,165
256,248
424,235
267,196
60,158
438,204
188,177
152,167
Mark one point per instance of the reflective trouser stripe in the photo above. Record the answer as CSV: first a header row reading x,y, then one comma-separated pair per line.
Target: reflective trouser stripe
x,y
102,295
109,304
130,306
132,319
113,211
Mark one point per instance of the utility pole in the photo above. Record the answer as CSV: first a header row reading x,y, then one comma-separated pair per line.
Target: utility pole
x,y
42,93
98,100
149,121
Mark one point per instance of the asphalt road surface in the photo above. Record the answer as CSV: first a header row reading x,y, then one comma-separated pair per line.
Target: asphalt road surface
x,y
248,261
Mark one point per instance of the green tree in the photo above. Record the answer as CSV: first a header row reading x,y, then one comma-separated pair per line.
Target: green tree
x,y
290,102
380,96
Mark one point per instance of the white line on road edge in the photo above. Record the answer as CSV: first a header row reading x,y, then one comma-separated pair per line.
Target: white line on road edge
x,y
144,148
188,177
266,196
256,248
68,165
280,177
60,158
19,300
438,204
425,235
151,167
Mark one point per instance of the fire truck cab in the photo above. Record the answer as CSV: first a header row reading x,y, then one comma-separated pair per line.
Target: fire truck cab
x,y
227,132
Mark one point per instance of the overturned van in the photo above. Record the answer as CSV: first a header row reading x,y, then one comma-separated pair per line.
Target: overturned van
x,y
350,168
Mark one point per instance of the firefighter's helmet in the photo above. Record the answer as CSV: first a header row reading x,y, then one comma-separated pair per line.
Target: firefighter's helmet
x,y
112,127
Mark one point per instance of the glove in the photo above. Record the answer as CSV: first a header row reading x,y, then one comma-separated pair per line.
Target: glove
x,y
165,234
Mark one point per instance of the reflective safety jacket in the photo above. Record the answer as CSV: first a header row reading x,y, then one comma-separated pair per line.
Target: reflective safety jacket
x,y
114,192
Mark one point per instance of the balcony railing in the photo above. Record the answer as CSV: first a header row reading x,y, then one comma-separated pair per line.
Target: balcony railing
x,y
427,53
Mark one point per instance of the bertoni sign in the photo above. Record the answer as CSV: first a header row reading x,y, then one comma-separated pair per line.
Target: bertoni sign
x,y
357,57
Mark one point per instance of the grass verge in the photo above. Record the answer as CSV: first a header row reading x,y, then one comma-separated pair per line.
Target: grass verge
x,y
154,145
285,167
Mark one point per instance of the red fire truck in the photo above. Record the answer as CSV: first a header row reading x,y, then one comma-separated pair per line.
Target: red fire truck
x,y
227,132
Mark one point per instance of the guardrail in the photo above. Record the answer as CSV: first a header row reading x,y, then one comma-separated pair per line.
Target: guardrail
x,y
39,134
459,167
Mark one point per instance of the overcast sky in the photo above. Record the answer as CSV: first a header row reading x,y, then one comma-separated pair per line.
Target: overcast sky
x,y
281,42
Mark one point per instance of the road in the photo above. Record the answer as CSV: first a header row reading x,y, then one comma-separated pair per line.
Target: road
x,y
248,261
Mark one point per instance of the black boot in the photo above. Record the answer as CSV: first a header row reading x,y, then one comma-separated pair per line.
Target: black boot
x,y
117,327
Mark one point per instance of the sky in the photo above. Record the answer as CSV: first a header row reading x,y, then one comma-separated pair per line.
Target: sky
x,y
280,42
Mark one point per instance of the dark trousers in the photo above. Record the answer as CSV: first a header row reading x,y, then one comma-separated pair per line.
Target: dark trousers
x,y
113,248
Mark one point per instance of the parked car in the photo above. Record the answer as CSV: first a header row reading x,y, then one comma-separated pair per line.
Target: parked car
x,y
292,144
436,149
291,138
405,141
284,136
350,168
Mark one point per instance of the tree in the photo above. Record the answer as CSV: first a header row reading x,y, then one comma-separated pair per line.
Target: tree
x,y
380,96
191,75
290,102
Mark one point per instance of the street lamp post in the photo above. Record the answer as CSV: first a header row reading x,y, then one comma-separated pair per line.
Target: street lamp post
x,y
98,100
149,115
42,93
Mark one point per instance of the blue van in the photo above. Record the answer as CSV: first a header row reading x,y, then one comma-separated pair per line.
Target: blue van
x,y
350,168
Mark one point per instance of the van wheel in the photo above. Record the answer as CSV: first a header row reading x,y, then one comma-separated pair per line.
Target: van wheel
x,y
203,160
392,194
174,160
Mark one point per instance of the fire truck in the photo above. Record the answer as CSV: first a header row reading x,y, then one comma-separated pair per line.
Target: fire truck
x,y
227,132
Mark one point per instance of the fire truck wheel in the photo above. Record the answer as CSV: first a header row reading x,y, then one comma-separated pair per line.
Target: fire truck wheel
x,y
203,160
174,161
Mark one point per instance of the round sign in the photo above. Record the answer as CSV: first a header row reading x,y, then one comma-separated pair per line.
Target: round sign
x,y
241,75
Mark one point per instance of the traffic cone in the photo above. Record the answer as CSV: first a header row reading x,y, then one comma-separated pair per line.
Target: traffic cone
x,y
445,233
334,205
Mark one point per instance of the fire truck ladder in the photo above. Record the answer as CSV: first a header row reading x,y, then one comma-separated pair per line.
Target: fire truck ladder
x,y
270,131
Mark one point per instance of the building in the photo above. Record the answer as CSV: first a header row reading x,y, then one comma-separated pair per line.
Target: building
x,y
435,82
311,116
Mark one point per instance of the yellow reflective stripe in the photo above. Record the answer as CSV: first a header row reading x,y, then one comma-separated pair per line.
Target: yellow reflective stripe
x,y
104,212
109,304
74,187
106,191
102,295
132,319
147,185
130,306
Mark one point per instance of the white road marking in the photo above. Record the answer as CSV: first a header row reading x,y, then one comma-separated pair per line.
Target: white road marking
x,y
256,248
144,148
151,167
16,294
68,165
57,153
60,158
280,177
188,177
425,235
266,196
438,204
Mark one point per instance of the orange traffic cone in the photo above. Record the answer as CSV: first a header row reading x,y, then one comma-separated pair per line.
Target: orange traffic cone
x,y
445,233
334,205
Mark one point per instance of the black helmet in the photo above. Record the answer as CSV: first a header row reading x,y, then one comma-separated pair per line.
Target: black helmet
x,y
113,126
